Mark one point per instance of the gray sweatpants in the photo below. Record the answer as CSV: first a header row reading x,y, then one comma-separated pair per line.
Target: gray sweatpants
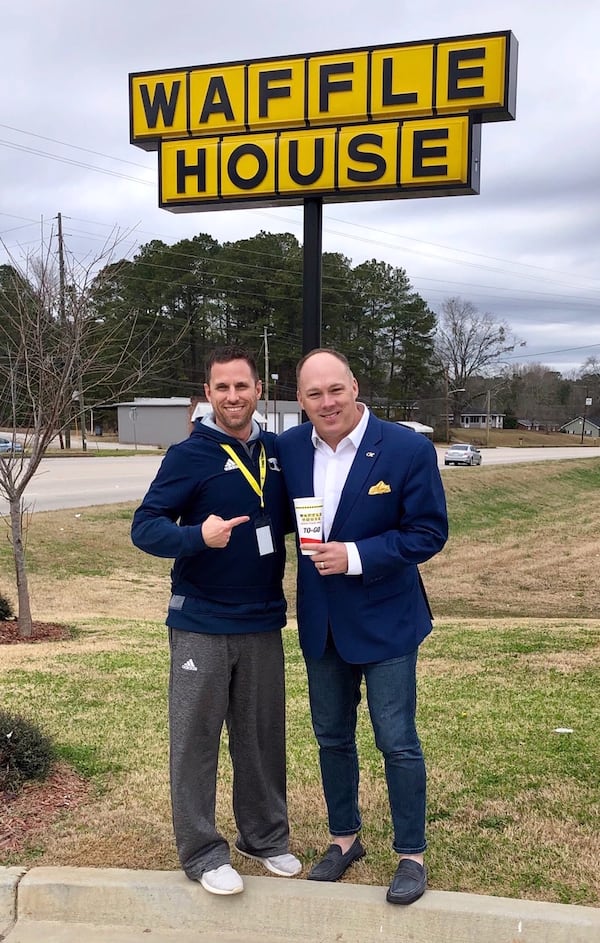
x,y
239,680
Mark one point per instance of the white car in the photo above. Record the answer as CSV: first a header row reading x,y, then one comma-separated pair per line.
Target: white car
x,y
8,445
464,454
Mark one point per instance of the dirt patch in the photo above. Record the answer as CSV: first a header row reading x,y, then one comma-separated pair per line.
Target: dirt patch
x,y
37,806
42,632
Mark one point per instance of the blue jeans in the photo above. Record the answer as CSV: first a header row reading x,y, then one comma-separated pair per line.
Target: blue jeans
x,y
334,689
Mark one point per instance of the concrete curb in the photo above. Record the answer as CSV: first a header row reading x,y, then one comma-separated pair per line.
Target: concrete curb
x,y
271,909
9,880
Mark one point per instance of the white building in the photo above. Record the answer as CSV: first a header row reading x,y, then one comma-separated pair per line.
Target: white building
x,y
480,420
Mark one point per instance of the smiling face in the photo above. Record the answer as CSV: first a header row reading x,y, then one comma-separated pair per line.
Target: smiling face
x,y
233,393
327,393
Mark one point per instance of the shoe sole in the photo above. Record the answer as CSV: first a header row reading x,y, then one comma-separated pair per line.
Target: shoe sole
x,y
221,893
267,865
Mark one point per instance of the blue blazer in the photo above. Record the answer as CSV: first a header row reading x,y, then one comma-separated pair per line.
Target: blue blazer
x,y
393,507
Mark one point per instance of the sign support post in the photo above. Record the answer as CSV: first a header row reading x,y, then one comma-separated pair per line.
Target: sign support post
x,y
312,275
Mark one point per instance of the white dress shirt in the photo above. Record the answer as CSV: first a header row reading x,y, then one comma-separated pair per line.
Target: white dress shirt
x,y
330,471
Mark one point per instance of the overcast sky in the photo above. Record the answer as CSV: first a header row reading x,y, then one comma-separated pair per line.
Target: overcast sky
x,y
526,249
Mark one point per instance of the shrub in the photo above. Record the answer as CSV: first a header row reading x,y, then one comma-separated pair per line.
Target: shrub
x,y
25,752
6,609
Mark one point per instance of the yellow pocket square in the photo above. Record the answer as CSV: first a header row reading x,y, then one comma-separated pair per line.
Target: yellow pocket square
x,y
380,488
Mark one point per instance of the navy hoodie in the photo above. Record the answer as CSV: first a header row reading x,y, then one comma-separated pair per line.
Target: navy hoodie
x,y
216,590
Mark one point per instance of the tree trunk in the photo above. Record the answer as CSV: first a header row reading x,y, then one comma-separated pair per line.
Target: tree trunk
x,y
16,526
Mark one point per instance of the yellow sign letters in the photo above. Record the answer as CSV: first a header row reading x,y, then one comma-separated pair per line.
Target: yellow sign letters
x,y
377,123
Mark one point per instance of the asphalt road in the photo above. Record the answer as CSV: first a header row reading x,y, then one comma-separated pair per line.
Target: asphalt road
x,y
81,482
503,456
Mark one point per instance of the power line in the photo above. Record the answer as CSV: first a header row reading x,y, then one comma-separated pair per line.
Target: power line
x,y
75,163
75,147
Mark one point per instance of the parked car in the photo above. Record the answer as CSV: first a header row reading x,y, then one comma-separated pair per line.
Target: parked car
x,y
463,454
7,445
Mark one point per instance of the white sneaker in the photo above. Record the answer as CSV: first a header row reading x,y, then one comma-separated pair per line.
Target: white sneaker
x,y
284,866
223,880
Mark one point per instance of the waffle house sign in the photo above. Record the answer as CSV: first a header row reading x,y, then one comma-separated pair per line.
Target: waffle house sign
x,y
384,122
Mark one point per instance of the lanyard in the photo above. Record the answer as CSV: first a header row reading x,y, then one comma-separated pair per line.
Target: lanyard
x,y
262,469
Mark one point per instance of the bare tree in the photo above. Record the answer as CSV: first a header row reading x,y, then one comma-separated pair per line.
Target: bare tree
x,y
590,376
468,342
53,350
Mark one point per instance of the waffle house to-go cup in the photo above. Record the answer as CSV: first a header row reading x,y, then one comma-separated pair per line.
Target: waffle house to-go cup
x,y
309,521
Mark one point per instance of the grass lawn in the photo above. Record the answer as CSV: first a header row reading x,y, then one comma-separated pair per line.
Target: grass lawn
x,y
513,804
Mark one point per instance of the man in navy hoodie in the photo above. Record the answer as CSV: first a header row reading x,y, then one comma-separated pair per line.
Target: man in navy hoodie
x,y
218,507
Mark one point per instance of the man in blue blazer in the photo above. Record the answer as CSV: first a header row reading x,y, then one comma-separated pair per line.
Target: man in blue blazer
x,y
362,608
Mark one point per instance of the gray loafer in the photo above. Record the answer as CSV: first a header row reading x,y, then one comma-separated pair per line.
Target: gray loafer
x,y
334,863
409,882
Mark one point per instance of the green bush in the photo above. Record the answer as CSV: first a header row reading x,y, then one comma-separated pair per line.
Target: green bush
x,y
6,609
25,752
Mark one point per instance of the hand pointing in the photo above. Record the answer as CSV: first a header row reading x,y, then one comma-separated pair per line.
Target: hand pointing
x,y
216,531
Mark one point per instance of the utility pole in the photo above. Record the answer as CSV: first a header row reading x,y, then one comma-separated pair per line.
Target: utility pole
x,y
448,392
588,402
275,377
487,418
447,398
266,343
63,316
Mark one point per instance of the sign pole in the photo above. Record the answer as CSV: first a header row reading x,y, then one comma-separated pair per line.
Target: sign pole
x,y
312,277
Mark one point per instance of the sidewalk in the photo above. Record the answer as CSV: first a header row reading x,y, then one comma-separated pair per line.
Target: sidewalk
x,y
104,443
71,905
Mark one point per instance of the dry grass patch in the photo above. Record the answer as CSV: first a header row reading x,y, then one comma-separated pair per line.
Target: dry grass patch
x,y
117,841
523,541
122,591
515,438
568,663
548,576
80,597
88,637
124,827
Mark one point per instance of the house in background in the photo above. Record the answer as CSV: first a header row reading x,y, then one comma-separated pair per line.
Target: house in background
x,y
576,426
480,420
535,425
